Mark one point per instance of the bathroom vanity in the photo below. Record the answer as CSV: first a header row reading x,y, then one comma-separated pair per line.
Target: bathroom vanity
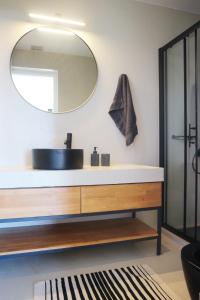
x,y
35,194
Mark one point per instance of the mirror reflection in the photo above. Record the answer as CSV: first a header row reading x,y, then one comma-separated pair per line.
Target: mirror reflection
x,y
53,69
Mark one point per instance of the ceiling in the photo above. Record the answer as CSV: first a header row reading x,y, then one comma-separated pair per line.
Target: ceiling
x,y
192,6
20,8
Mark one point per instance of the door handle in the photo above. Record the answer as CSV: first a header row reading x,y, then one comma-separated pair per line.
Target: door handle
x,y
178,137
191,137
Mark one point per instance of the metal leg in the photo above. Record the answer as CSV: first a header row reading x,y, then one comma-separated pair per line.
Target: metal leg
x,y
159,216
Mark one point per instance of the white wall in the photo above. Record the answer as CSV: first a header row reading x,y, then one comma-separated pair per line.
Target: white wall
x,y
125,37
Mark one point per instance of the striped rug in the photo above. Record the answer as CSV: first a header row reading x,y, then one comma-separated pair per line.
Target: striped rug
x,y
134,282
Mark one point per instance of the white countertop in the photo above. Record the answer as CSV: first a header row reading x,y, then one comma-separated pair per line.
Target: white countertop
x,y
115,174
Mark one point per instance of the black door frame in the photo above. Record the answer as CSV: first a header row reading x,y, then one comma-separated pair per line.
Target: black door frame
x,y
163,126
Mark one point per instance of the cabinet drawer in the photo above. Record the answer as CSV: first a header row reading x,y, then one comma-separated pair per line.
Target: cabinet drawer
x,y
20,203
120,197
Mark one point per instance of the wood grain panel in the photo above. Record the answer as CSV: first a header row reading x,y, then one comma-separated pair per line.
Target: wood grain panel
x,y
120,197
61,236
20,203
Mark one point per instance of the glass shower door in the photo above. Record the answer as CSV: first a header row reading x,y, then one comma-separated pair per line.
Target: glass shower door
x,y
180,132
191,140
174,136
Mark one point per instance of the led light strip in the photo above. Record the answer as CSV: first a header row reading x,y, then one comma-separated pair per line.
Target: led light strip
x,y
56,19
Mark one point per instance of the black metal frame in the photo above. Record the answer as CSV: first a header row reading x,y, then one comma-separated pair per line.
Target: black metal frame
x,y
159,224
158,237
196,142
163,126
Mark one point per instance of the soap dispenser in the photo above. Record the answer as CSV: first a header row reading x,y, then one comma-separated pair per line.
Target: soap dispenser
x,y
95,158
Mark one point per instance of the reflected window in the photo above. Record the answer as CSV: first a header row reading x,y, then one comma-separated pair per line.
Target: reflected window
x,y
40,86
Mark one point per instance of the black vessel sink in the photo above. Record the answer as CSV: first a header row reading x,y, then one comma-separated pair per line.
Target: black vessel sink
x,y
57,159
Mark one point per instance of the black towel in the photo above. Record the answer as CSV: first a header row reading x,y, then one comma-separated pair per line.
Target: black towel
x,y
122,110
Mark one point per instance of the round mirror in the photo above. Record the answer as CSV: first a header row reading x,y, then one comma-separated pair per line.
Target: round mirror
x,y
54,70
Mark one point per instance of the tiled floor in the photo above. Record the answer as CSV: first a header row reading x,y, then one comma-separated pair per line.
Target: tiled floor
x,y
17,275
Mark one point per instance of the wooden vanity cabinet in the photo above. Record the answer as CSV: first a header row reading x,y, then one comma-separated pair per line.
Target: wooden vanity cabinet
x,y
38,202
105,198
22,204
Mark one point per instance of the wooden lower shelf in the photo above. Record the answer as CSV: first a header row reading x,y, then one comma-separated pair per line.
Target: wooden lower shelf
x,y
61,236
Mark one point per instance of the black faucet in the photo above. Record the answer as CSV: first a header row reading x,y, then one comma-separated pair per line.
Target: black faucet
x,y
68,141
